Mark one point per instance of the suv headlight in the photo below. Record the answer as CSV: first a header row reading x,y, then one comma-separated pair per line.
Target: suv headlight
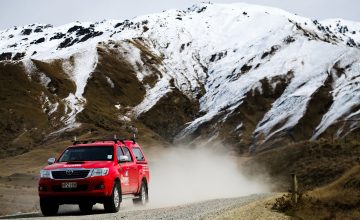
x,y
45,174
100,172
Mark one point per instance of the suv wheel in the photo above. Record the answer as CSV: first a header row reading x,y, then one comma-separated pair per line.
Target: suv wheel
x,y
143,195
86,207
48,207
112,204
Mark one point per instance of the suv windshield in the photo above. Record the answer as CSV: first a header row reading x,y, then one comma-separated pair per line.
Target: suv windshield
x,y
96,153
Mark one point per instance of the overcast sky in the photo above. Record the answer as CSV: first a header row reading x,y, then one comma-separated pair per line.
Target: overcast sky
x,y
58,12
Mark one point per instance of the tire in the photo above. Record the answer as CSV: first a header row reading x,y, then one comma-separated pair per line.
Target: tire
x,y
86,207
48,207
143,195
112,204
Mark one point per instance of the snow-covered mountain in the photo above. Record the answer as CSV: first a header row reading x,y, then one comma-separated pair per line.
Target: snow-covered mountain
x,y
247,74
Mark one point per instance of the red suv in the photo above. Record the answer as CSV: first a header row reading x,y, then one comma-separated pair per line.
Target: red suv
x,y
89,172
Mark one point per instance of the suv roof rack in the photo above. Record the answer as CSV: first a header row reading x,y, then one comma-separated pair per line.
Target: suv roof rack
x,y
115,140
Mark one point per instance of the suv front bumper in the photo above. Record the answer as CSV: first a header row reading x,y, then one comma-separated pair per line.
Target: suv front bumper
x,y
99,186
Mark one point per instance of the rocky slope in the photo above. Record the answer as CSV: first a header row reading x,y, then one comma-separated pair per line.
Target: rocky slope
x,y
252,76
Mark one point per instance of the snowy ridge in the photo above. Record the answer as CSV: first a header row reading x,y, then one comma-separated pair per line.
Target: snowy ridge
x,y
346,93
215,54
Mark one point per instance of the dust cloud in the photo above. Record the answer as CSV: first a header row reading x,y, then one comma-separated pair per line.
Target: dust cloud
x,y
184,175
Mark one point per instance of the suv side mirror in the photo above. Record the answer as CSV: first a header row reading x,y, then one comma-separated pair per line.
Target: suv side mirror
x,y
51,160
123,159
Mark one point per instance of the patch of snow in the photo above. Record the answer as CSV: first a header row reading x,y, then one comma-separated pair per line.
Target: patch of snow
x,y
54,108
124,118
84,64
118,106
74,105
239,126
153,96
47,106
44,80
110,82
29,67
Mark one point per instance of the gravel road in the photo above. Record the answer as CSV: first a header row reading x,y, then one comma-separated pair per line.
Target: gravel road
x,y
200,210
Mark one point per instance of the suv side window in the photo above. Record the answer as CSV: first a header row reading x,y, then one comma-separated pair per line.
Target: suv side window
x,y
127,153
138,154
119,153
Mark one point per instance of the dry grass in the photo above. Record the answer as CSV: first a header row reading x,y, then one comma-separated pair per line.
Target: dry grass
x,y
22,120
337,200
328,174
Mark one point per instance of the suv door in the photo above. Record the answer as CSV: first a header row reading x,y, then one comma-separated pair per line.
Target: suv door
x,y
124,172
138,154
133,172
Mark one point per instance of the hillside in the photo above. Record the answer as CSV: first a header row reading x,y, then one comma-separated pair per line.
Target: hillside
x,y
251,76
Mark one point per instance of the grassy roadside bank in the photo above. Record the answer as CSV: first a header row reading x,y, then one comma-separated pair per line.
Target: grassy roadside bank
x,y
328,174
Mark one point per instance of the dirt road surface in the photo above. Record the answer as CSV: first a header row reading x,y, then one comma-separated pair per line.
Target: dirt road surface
x,y
211,209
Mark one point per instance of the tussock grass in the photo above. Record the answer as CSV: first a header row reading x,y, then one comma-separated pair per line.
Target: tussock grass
x,y
338,200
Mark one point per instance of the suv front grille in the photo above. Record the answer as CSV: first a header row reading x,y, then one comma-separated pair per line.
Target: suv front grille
x,y
73,174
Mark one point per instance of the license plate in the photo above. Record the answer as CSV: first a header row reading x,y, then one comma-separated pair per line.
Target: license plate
x,y
69,185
